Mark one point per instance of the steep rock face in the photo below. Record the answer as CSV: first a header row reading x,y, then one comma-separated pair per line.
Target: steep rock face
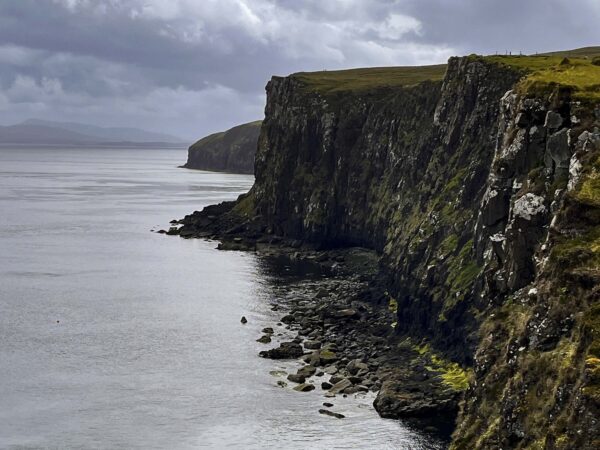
x,y
399,170
483,200
313,180
229,151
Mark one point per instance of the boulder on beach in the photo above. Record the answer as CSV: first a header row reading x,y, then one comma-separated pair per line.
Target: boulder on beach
x,y
286,350
326,412
312,345
288,319
346,314
340,386
356,365
305,387
307,371
326,357
296,378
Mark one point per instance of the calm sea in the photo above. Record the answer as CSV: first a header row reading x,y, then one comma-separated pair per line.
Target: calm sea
x,y
114,337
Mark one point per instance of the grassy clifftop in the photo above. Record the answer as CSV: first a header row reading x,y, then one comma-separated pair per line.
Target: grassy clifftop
x,y
579,72
353,80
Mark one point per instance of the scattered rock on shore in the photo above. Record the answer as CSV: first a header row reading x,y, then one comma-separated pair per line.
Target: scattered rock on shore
x,y
286,350
340,386
312,345
296,378
305,387
331,413
307,371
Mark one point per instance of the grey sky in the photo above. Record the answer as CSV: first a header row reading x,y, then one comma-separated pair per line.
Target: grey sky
x,y
190,67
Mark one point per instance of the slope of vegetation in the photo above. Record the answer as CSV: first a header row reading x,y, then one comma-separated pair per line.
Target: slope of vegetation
x,y
354,80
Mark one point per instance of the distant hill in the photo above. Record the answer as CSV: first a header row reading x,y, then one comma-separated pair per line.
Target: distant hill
x,y
47,133
228,151
583,52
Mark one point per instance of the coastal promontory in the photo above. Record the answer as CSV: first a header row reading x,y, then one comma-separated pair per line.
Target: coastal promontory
x,y
228,151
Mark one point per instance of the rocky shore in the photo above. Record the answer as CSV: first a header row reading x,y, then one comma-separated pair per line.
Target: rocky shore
x,y
342,328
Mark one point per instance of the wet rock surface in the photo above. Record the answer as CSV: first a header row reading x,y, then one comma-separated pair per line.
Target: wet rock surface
x,y
331,413
286,350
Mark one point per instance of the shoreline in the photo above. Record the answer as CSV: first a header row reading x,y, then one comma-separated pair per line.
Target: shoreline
x,y
344,333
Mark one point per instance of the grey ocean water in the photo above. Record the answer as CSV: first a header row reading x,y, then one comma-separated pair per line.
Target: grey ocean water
x,y
113,337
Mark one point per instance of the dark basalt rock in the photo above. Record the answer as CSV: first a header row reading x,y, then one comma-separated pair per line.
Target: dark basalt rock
x,y
312,345
326,412
286,350
304,387
396,402
264,339
296,378
307,371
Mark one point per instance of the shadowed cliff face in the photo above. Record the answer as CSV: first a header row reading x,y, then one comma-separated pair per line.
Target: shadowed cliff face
x,y
230,151
474,190
400,170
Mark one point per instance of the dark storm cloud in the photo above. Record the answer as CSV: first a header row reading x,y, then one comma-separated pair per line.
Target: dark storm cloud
x,y
487,26
194,66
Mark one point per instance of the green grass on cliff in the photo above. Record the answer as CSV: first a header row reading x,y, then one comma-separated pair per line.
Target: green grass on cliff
x,y
352,80
216,138
452,375
542,72
583,251
574,69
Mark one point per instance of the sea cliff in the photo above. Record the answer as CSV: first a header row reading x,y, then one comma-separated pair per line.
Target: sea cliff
x,y
477,184
228,151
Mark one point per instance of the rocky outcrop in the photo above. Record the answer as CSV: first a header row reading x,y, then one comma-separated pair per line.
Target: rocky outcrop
x,y
481,194
229,151
536,367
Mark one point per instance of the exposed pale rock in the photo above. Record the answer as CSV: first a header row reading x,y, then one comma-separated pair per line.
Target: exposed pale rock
x,y
528,206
